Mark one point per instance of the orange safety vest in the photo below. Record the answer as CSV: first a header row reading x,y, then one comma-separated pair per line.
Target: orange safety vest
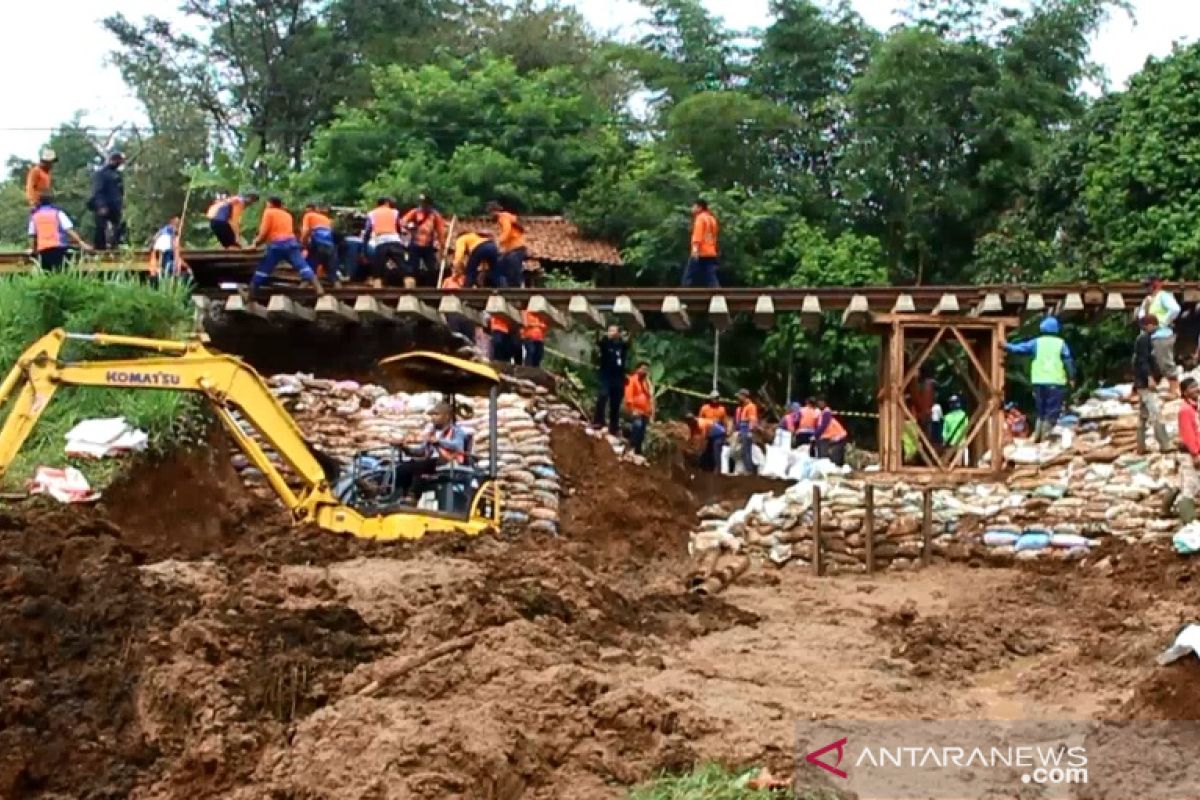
x,y
713,412
500,324
704,235
834,430
445,452
428,223
535,327
809,419
638,396
383,221
512,234
37,182
48,232
277,225
747,414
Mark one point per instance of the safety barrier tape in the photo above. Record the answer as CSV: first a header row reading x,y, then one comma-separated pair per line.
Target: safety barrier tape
x,y
700,395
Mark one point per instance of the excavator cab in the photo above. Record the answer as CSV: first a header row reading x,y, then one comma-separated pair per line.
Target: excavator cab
x,y
362,499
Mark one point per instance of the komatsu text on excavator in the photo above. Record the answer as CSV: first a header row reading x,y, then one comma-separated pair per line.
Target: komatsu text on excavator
x,y
362,499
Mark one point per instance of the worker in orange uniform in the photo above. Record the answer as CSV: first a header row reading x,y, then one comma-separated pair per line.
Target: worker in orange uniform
x,y
37,180
745,420
428,229
278,232
806,425
511,272
458,324
382,233
479,258
51,232
316,237
831,436
505,347
639,399
225,218
713,421
533,337
702,265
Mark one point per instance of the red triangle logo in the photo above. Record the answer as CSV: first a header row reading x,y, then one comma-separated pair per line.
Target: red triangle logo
x,y
814,757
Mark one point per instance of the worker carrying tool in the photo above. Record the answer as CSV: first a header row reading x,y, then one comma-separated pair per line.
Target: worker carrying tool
x,y
225,218
166,257
316,237
388,259
479,257
511,271
639,399
704,261
441,443
51,233
1053,369
428,230
107,203
1162,305
37,180
278,232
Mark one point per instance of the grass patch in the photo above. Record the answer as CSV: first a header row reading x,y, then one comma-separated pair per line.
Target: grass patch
x,y
715,782
31,305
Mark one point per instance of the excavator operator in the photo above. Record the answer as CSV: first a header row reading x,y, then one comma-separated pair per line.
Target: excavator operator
x,y
443,442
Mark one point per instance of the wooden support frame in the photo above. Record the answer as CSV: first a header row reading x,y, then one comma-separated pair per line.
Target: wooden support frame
x,y
909,340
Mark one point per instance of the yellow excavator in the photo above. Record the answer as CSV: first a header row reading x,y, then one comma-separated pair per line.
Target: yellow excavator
x,y
362,499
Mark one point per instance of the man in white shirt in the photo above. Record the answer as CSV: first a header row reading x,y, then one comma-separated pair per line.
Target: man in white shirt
x,y
1165,308
50,234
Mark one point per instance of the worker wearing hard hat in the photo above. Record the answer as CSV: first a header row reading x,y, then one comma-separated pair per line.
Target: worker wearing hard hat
x,y
1053,369
37,180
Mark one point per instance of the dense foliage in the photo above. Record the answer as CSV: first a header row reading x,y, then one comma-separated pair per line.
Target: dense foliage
x,y
957,147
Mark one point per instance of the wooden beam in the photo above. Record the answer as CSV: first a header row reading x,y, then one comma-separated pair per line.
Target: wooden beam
x,y
764,312
371,309
718,313
408,305
628,313
238,305
1114,301
857,313
926,527
1191,295
675,312
330,308
818,559
541,306
810,312
498,306
584,312
947,304
904,305
453,304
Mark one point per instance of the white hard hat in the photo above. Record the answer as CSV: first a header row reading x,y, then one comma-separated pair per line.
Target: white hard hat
x,y
48,155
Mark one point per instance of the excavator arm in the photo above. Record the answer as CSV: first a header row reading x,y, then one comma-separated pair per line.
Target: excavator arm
x,y
229,385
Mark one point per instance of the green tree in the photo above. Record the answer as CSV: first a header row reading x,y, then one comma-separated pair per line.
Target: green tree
x,y
686,50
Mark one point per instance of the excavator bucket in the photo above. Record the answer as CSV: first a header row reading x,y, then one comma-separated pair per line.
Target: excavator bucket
x,y
434,372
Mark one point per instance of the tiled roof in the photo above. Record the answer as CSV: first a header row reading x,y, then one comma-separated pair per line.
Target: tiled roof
x,y
551,239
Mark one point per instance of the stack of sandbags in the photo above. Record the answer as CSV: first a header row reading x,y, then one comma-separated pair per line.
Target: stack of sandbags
x,y
343,418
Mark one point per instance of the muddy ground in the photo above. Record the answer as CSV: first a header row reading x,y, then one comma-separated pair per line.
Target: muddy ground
x,y
181,641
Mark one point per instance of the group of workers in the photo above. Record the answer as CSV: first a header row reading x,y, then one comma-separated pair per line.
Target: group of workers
x,y
52,232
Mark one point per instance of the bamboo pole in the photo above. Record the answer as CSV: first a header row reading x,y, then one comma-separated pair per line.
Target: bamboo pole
x,y
869,525
818,565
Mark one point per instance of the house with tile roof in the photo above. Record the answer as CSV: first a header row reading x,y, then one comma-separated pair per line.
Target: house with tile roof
x,y
556,246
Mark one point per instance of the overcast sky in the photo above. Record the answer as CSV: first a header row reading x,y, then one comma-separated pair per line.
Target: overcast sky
x,y
71,53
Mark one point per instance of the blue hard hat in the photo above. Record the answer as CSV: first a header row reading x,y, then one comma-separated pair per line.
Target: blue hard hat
x,y
1049,325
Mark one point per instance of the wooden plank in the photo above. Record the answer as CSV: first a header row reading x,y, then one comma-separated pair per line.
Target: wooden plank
x,y
371,309
764,312
284,309
628,313
1114,301
453,304
718,313
541,306
947,304
584,312
857,313
810,312
330,308
1035,303
675,312
904,305
869,526
408,305
238,305
926,527
498,306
